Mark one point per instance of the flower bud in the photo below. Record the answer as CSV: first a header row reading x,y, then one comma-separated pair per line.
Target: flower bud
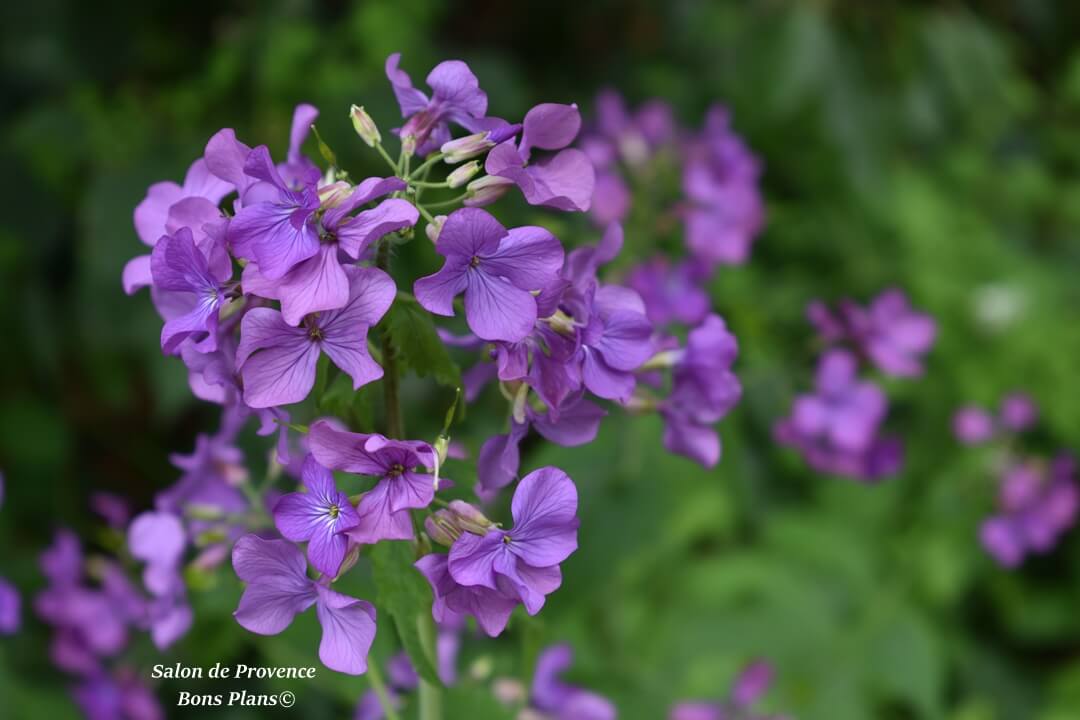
x,y
467,147
486,190
435,227
463,174
365,127
442,527
469,518
509,691
334,194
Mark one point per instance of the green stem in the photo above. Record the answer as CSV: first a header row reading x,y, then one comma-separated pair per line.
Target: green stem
x,y
427,215
430,695
386,156
421,183
452,201
379,686
427,164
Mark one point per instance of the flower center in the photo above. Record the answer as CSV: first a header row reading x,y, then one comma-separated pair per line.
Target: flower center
x,y
314,333
506,539
475,262
333,512
396,470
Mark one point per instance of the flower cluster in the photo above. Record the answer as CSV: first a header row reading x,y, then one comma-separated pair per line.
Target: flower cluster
x,y
749,687
1037,499
837,428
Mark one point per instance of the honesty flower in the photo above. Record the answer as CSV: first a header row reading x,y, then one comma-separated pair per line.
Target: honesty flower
x,y
456,97
1036,506
491,608
318,517
523,562
320,282
615,341
383,512
278,589
181,268
748,687
278,230
672,293
560,700
564,181
704,390
116,696
496,268
972,425
277,361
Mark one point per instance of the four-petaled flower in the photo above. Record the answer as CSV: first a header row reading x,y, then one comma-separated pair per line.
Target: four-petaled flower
x,y
317,517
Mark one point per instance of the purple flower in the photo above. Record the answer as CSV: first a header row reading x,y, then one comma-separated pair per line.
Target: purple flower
x,y
523,561
889,332
178,266
317,517
456,97
383,512
836,428
1036,506
704,390
1018,411
565,180
672,293
10,608
276,227
748,687
158,539
558,699
972,425
496,269
320,282
277,361
121,696
616,339
278,589
491,608
725,211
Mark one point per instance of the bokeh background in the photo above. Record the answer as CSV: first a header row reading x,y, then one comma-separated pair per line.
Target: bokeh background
x,y
930,146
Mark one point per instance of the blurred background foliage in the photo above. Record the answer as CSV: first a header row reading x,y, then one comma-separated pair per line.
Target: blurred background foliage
x,y
931,146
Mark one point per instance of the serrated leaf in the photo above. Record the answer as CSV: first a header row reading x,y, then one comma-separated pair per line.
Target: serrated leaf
x,y
418,345
404,593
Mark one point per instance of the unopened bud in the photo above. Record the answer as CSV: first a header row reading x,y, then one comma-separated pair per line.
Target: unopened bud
x,y
442,527
435,227
408,145
442,446
334,194
365,127
463,174
508,691
469,518
351,558
470,146
561,323
486,190
211,557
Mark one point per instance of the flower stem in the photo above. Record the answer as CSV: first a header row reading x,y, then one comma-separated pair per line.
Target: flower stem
x,y
379,686
448,203
434,158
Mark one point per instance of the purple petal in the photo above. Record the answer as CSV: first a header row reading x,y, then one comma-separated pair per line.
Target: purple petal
x,y
303,117
277,361
545,517
356,234
457,90
472,558
225,158
409,98
436,293
343,450
318,283
10,611
499,459
377,521
153,211
549,126
278,588
470,232
348,627
530,257
137,274
497,310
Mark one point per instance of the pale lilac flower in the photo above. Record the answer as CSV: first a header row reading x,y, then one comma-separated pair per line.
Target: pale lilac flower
x,y
383,512
278,589
672,293
1018,412
972,425
560,700
1036,506
321,282
565,180
318,517
181,268
277,361
496,269
456,97
524,560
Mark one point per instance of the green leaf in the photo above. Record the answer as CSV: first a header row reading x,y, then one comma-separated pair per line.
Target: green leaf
x,y
405,594
413,333
355,407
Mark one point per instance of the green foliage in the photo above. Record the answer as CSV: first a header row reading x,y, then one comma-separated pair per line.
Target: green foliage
x,y
413,334
406,596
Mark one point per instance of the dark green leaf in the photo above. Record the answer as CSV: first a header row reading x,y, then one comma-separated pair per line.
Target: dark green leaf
x,y
405,594
419,347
